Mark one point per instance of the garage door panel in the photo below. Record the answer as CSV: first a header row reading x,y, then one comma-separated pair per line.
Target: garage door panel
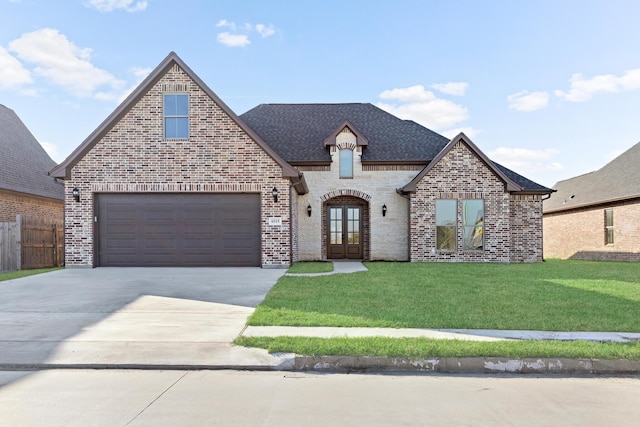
x,y
163,229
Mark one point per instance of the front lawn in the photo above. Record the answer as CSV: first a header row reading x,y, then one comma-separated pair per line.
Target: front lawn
x,y
553,296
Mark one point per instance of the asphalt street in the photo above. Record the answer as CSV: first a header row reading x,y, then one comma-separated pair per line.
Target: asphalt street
x,y
232,398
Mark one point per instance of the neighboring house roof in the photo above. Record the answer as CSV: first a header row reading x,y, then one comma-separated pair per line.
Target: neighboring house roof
x,y
297,132
617,180
63,170
23,162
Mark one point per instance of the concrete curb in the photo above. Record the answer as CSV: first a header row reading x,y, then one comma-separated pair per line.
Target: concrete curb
x,y
468,365
346,364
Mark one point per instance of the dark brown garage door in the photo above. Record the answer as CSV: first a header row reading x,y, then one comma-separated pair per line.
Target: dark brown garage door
x,y
178,229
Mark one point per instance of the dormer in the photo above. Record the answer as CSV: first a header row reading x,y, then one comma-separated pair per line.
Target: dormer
x,y
346,136
347,141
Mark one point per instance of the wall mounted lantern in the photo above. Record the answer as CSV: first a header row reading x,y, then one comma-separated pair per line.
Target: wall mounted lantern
x,y
309,210
274,192
76,194
384,210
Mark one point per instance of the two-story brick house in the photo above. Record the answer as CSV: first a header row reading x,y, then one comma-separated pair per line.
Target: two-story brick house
x,y
174,177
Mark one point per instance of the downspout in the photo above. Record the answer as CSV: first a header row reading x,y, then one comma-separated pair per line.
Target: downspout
x,y
406,196
542,199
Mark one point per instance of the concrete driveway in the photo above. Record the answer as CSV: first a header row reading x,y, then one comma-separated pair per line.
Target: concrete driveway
x,y
132,317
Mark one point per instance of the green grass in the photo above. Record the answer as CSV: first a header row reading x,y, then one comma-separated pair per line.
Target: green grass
x,y
311,267
24,273
554,296
420,348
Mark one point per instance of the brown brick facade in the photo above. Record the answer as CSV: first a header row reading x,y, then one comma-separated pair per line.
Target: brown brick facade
x,y
13,203
219,156
512,223
580,233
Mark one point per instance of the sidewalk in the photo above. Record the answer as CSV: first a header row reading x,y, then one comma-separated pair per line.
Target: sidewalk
x,y
449,334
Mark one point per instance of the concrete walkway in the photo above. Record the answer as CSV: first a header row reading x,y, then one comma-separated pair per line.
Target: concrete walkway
x,y
339,267
447,334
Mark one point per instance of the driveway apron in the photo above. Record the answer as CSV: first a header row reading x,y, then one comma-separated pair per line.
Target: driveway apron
x,y
132,317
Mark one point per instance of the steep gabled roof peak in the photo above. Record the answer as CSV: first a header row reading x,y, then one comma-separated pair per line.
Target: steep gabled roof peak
x,y
63,170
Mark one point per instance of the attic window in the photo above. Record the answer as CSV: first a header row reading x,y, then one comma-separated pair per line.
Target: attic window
x,y
176,116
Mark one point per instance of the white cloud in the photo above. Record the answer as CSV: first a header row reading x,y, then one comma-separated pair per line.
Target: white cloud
x,y
451,88
226,24
52,151
526,161
238,36
119,95
422,106
528,101
63,63
111,5
583,89
264,30
12,72
233,40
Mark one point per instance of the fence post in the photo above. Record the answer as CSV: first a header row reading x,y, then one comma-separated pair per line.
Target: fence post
x,y
18,248
55,245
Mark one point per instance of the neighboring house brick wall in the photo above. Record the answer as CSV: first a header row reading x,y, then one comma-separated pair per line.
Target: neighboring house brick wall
x,y
460,175
218,157
580,233
13,203
388,235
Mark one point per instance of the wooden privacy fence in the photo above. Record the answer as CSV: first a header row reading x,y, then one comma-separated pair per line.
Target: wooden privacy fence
x,y
31,243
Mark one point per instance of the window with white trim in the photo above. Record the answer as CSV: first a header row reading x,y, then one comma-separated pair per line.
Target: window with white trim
x,y
176,116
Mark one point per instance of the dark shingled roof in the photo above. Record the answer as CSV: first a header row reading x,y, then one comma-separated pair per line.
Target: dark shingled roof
x,y
23,162
526,184
617,180
297,133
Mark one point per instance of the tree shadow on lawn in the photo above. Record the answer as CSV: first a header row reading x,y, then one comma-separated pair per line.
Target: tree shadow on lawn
x,y
580,297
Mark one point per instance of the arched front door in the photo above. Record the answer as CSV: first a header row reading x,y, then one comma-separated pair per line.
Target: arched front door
x,y
344,231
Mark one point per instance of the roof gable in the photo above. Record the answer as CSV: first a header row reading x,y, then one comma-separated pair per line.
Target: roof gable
x,y
360,139
510,185
23,161
63,170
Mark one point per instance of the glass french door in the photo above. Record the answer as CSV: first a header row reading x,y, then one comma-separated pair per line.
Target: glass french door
x,y
344,230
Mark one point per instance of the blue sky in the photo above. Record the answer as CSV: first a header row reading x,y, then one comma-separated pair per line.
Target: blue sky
x,y
550,89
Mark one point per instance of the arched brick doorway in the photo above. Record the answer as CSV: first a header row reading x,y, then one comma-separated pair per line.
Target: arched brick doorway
x,y
345,228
